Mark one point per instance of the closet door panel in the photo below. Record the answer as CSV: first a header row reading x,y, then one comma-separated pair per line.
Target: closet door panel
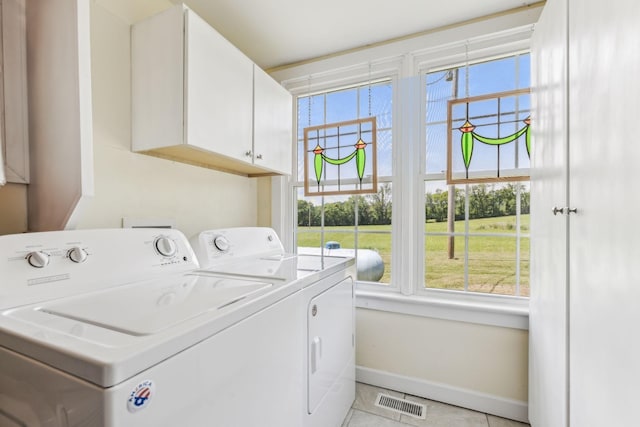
x,y
548,304
605,279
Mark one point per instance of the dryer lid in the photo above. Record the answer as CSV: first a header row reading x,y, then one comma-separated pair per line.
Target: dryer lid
x,y
279,266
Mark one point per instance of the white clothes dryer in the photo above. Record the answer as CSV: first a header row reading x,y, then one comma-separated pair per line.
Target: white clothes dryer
x,y
327,322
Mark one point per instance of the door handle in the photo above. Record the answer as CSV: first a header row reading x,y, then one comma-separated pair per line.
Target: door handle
x,y
316,353
556,210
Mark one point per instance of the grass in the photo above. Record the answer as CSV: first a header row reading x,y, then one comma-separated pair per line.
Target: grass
x,y
491,259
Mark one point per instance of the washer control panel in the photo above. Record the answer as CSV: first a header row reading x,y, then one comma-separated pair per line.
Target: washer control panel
x,y
38,259
165,246
38,266
77,254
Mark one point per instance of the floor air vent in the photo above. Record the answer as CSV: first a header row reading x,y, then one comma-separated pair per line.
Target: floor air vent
x,y
415,410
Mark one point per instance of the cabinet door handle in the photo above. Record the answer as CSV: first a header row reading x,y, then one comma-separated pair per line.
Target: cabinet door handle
x,y
567,210
259,156
248,153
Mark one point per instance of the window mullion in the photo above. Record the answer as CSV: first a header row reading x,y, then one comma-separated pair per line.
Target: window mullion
x,y
518,239
419,152
397,275
406,168
466,237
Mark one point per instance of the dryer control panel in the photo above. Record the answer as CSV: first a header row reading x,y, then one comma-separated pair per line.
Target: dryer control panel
x,y
40,266
213,247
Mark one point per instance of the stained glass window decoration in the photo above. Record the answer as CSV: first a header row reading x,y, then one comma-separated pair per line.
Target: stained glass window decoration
x,y
489,138
340,158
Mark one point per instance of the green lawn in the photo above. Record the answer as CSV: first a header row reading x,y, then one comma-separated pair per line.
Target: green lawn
x,y
492,260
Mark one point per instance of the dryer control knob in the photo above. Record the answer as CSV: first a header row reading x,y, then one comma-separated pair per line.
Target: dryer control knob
x,y
38,259
221,243
165,246
77,255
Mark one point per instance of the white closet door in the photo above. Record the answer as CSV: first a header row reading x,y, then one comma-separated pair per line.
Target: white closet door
x,y
548,327
604,104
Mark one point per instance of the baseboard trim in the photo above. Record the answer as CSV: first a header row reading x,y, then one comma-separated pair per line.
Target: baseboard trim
x,y
491,404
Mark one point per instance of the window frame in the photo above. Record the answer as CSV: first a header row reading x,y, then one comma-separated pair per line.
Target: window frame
x,y
388,70
425,176
407,293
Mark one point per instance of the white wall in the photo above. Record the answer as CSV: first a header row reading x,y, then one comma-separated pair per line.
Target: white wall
x,y
264,201
13,209
138,186
475,366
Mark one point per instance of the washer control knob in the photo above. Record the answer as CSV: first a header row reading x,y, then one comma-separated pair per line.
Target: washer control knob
x,y
165,246
221,243
38,259
77,255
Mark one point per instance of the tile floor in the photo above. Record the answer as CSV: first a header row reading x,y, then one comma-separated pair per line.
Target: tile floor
x,y
364,413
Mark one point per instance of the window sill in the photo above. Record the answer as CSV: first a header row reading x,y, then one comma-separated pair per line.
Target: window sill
x,y
494,310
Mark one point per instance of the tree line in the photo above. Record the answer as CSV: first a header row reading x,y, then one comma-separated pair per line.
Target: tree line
x,y
485,201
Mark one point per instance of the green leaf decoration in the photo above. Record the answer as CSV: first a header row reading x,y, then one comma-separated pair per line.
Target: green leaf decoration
x,y
467,148
527,136
500,141
317,164
361,158
341,161
340,143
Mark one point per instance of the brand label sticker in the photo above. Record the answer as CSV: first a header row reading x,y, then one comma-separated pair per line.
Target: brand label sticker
x,y
141,396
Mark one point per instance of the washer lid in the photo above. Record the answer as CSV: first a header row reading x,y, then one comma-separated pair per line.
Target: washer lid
x,y
152,307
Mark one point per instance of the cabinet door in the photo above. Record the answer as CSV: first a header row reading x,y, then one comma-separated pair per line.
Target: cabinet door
x,y
272,124
219,92
330,340
605,280
548,328
157,81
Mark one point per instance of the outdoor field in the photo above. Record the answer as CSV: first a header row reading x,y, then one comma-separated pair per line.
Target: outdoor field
x,y
491,259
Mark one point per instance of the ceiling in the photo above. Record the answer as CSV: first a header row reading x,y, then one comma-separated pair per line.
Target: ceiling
x,y
280,32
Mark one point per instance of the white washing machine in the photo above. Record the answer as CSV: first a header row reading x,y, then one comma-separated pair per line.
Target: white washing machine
x,y
327,290
109,328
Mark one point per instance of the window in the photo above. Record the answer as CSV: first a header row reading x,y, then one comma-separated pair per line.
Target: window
x,y
476,234
456,240
358,224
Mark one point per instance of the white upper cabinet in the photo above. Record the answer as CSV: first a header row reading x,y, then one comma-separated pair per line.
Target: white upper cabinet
x,y
193,99
272,121
219,86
